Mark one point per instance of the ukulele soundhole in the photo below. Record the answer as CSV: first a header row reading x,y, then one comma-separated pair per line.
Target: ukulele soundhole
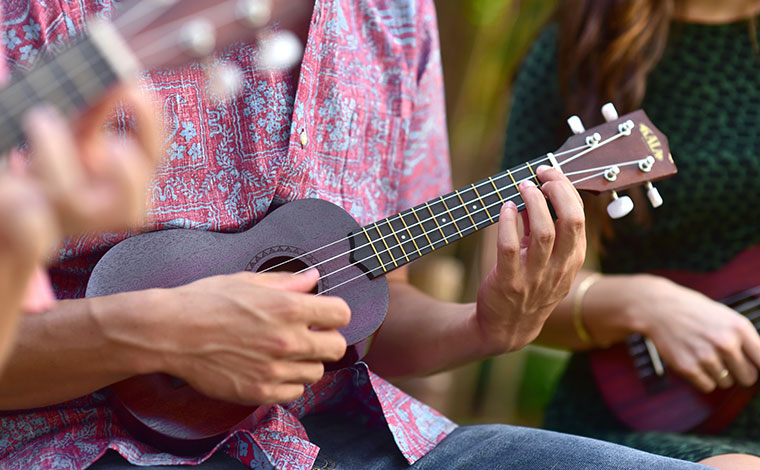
x,y
287,259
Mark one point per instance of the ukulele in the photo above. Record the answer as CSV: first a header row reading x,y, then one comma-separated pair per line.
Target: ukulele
x,y
147,34
643,394
352,261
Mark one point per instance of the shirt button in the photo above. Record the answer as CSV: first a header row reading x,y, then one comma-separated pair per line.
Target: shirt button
x,y
304,138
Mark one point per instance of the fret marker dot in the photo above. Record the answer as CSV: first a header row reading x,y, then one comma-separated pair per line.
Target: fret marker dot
x,y
474,206
403,237
443,219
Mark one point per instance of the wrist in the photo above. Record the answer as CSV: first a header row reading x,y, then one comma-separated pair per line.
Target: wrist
x,y
638,298
132,327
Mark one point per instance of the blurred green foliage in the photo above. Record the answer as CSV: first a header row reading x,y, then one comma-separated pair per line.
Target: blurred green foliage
x,y
482,44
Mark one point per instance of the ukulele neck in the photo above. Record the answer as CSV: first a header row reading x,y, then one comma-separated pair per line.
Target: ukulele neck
x,y
390,243
70,81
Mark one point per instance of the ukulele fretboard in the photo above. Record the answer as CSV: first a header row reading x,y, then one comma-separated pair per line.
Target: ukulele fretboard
x,y
392,242
68,81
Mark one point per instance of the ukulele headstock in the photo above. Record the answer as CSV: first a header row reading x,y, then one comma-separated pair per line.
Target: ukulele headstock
x,y
623,152
168,33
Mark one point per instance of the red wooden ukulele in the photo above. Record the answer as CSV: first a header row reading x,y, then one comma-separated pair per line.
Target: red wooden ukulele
x,y
352,261
643,394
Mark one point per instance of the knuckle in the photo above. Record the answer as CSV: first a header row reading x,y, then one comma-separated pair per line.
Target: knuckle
x,y
706,355
508,250
261,392
315,373
337,347
271,371
545,236
727,343
286,345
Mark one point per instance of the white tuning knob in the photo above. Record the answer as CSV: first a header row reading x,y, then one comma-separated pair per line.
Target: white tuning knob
x,y
609,112
654,196
225,80
281,50
256,13
619,206
576,125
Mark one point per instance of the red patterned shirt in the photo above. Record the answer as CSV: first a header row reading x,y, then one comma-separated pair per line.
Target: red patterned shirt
x,y
364,128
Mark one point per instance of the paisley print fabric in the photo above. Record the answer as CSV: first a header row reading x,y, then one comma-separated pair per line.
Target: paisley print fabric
x,y
362,127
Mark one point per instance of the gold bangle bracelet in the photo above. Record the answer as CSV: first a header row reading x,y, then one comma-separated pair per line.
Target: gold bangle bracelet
x,y
580,292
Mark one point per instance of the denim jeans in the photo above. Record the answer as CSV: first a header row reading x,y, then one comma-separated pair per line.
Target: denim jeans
x,y
346,445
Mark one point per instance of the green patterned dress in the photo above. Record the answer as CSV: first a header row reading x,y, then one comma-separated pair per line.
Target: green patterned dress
x,y
705,96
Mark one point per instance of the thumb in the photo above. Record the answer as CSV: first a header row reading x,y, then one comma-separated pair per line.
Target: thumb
x,y
303,282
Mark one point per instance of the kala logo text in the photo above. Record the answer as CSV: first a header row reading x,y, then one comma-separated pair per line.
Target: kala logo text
x,y
652,141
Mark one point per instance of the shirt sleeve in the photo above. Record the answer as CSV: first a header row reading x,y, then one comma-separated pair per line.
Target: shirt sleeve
x,y
536,125
426,170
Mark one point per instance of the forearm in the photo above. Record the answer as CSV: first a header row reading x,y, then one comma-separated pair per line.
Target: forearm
x,y
605,310
76,348
422,335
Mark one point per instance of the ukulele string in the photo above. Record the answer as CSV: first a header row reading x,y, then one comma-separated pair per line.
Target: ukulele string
x,y
430,245
170,34
540,160
468,214
134,16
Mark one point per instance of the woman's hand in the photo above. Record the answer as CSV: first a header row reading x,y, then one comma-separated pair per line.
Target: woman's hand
x,y
533,274
698,337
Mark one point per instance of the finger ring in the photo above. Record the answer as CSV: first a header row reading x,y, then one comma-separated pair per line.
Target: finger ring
x,y
723,374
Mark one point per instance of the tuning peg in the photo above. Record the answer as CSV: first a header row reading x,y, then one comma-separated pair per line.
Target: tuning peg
x,y
619,206
280,50
198,37
609,112
255,13
225,80
654,196
576,125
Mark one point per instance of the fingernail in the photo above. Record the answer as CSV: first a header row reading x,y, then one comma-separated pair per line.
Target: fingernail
x,y
528,184
510,205
542,168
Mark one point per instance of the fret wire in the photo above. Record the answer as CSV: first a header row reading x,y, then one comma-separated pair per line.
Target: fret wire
x,y
382,266
424,232
496,190
432,216
382,237
466,210
452,217
351,279
481,202
513,180
400,216
533,173
395,235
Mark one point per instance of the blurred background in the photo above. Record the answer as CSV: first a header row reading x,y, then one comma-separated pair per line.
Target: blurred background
x,y
482,45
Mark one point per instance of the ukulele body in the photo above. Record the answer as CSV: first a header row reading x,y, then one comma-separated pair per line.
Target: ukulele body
x,y
165,411
670,403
